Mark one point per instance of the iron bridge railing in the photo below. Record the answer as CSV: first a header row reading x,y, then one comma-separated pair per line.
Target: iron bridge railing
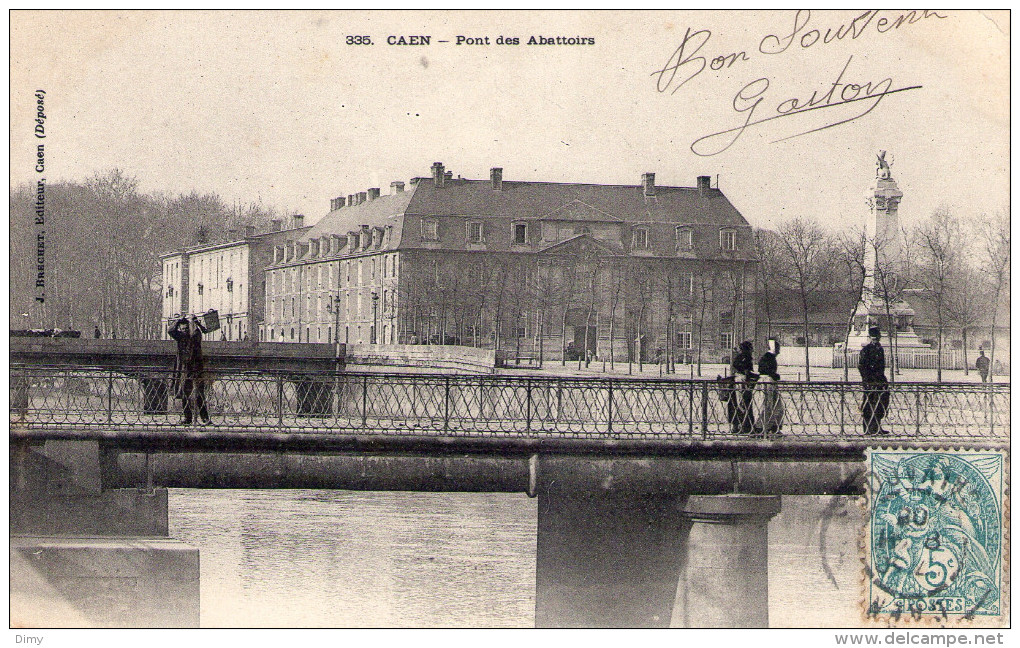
x,y
511,406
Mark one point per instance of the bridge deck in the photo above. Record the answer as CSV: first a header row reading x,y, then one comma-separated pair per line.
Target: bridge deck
x,y
503,407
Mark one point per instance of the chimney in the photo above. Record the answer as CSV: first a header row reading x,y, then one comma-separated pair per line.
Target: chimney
x,y
249,231
373,193
276,225
297,221
496,175
350,199
704,184
396,187
448,177
336,203
362,197
648,183
438,175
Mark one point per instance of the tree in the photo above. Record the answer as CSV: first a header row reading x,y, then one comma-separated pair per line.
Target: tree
x,y
964,302
806,257
103,241
995,264
850,252
767,249
938,243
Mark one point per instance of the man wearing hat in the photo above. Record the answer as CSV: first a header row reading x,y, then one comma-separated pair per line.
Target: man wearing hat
x,y
876,388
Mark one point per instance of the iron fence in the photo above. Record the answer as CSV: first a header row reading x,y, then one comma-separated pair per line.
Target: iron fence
x,y
512,406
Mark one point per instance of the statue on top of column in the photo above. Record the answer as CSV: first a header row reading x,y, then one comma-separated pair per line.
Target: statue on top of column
x,y
883,172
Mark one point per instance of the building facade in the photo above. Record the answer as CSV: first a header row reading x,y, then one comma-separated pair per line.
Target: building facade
x,y
535,269
228,277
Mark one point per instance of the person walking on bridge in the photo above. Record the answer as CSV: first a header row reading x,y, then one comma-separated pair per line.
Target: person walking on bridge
x,y
871,364
189,367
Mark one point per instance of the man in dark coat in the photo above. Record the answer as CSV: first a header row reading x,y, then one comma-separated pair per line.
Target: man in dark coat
x,y
876,387
982,363
189,368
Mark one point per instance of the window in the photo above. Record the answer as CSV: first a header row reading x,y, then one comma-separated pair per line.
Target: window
x,y
520,233
639,238
475,232
683,340
684,238
728,239
429,229
726,340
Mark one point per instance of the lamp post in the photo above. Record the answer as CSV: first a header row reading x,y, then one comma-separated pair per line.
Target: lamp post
x,y
375,316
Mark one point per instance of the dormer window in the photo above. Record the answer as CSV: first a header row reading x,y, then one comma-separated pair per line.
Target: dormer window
x,y
475,232
727,239
520,231
684,238
429,229
639,238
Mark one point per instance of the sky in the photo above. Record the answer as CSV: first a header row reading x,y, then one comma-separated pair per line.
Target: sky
x,y
277,108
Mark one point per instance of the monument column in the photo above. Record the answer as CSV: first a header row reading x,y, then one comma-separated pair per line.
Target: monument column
x,y
725,580
881,302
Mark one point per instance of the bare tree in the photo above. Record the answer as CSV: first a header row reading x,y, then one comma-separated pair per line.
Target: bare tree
x,y
850,253
890,279
768,250
616,279
964,301
807,253
938,241
994,233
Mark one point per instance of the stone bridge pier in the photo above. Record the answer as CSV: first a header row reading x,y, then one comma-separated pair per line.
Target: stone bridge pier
x,y
663,542
86,556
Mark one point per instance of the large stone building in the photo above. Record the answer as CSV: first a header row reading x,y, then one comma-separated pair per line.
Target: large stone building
x,y
537,269
228,276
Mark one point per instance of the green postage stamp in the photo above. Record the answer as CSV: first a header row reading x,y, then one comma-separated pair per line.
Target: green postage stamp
x,y
936,531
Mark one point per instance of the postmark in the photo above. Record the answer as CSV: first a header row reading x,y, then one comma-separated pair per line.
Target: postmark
x,y
935,537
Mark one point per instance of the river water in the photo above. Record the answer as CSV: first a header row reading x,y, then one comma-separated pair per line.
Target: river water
x,y
317,558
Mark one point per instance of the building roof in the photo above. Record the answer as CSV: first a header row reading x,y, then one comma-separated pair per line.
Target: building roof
x,y
381,212
550,200
606,211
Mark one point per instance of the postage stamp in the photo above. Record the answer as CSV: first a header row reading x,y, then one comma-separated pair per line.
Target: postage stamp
x,y
936,529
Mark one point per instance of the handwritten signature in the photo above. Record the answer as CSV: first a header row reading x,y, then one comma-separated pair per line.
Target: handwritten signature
x,y
685,64
865,95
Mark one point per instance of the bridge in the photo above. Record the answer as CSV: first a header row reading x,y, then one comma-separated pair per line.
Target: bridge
x,y
639,482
